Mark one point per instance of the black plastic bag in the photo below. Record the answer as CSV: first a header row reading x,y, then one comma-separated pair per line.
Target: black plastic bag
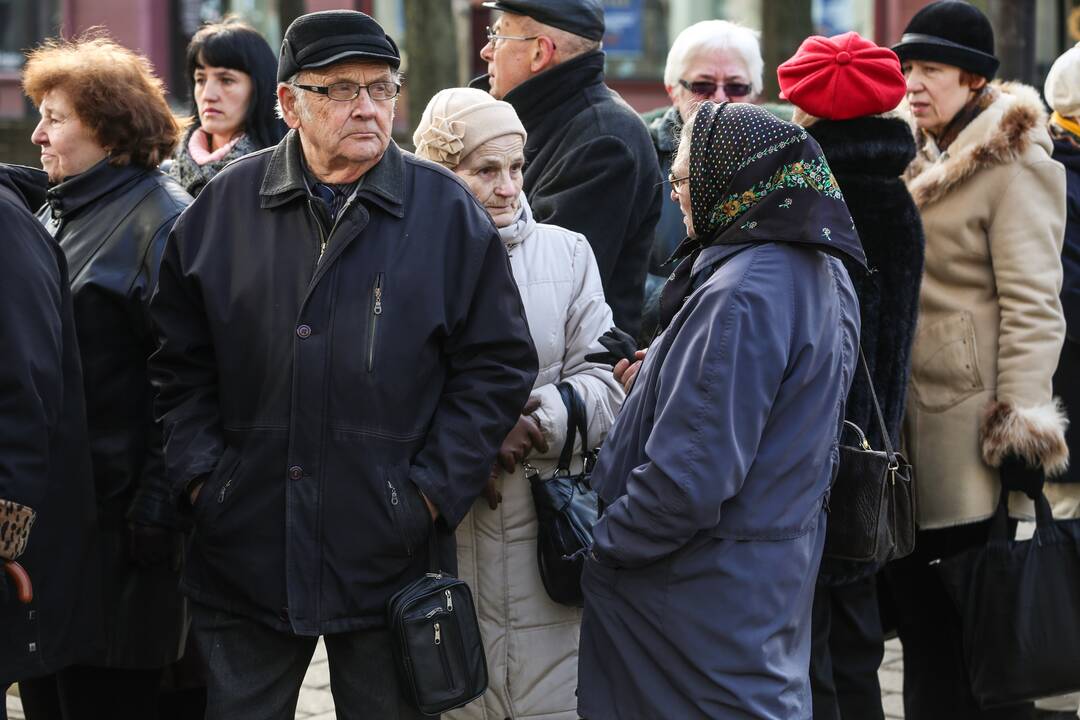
x,y
1020,607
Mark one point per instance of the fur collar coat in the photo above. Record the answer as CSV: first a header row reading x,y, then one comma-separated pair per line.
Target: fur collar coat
x,y
990,321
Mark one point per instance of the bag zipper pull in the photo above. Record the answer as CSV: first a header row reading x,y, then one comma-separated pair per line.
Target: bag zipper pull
x,y
449,602
438,634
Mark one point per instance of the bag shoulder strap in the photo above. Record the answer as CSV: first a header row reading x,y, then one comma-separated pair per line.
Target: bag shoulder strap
x,y
889,451
575,424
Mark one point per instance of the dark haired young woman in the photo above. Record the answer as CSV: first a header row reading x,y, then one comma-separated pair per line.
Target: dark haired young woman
x,y
233,90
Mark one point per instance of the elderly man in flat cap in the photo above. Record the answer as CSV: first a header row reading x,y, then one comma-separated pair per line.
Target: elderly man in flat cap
x,y
589,162
342,349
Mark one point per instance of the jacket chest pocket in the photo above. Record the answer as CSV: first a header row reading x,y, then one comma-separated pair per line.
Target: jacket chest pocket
x,y
945,363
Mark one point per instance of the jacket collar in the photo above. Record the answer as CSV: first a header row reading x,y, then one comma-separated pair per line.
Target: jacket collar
x,y
283,181
665,129
536,97
1000,134
80,190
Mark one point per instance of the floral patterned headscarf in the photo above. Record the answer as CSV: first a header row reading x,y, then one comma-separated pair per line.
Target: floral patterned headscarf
x,y
756,178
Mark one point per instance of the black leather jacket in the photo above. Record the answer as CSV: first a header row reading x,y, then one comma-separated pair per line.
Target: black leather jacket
x,y
112,223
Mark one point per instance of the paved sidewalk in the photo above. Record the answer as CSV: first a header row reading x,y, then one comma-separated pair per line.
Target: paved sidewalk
x,y
316,702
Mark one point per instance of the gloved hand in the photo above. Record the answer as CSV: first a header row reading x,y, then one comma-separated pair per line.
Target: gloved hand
x,y
151,546
1018,475
522,438
620,345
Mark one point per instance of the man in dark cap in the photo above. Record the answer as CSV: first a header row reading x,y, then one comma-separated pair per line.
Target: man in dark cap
x,y
589,162
342,349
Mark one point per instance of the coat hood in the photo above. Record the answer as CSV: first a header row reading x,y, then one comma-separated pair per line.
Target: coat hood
x,y
29,184
1000,134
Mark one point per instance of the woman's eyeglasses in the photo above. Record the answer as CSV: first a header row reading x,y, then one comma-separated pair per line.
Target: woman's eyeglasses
x,y
707,88
677,183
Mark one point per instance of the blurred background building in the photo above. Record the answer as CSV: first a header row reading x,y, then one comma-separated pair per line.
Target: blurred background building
x,y
449,34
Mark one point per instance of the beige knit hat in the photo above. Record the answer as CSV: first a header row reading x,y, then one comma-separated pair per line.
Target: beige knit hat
x,y
1062,87
458,120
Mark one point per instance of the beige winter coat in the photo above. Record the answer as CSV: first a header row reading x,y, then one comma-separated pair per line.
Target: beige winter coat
x,y
990,322
532,642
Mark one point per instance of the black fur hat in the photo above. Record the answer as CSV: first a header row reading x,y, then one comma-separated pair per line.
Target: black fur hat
x,y
950,32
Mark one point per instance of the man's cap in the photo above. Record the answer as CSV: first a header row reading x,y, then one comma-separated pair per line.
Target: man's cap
x,y
580,17
951,32
323,38
842,77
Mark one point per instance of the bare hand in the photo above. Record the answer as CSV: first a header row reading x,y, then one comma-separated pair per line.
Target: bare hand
x,y
195,491
491,492
431,507
625,372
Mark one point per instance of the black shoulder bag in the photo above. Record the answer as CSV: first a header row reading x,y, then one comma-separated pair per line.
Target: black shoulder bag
x,y
438,649
566,509
872,501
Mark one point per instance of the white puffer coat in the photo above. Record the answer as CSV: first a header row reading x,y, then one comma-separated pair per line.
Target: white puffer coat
x,y
532,642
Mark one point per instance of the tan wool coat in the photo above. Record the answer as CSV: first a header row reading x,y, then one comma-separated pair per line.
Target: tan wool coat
x,y
990,321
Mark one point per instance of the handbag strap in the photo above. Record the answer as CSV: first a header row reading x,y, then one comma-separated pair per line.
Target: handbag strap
x,y
575,425
889,452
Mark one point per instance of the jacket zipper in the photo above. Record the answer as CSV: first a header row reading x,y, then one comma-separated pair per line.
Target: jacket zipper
x,y
376,311
396,512
224,490
442,656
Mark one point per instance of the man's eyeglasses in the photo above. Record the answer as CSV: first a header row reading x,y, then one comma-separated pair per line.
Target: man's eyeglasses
x,y
677,183
707,88
347,91
494,38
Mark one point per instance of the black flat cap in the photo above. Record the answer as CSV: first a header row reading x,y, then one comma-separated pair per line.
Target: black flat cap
x,y
580,17
322,38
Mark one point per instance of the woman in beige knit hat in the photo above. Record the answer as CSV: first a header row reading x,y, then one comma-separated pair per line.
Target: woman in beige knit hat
x,y
531,641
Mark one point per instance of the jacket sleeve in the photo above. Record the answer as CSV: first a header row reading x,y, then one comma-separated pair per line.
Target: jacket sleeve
x,y
587,191
31,376
1025,240
714,395
183,369
588,318
152,504
491,366
1070,262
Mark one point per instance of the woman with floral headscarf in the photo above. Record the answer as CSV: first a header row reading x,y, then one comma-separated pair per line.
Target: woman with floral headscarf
x,y
715,476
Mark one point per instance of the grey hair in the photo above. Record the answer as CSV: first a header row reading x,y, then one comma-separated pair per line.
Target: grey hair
x,y
567,45
716,35
301,97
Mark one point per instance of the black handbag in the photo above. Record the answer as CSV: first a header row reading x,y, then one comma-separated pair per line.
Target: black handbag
x,y
872,500
1018,603
438,650
566,509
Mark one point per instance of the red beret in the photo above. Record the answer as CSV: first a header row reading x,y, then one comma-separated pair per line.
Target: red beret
x,y
842,77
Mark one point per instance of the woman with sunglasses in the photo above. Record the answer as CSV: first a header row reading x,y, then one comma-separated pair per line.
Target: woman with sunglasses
x,y
711,60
